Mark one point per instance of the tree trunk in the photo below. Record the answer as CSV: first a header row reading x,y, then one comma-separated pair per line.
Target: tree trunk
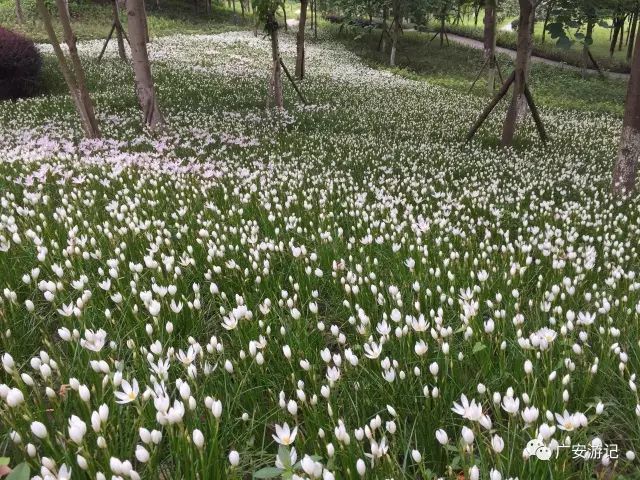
x,y
626,165
588,38
614,37
144,18
395,32
74,76
623,22
523,56
284,16
19,12
476,14
145,89
300,39
490,41
382,47
442,19
547,16
119,30
315,20
276,69
632,35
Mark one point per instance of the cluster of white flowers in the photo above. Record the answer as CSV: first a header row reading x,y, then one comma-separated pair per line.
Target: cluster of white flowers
x,y
346,284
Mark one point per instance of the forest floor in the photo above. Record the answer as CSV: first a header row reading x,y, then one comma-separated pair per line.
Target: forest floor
x,y
416,306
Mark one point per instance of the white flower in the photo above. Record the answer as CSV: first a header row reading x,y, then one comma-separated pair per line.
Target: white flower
x,y
569,422
142,454
77,429
14,397
497,443
129,392
94,341
467,435
442,436
471,411
416,455
234,458
198,438
285,436
39,430
511,405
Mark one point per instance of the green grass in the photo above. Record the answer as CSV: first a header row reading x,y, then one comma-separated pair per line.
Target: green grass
x,y
91,21
372,174
457,66
548,48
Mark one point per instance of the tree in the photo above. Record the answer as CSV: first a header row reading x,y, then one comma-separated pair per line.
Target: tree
x,y
523,57
490,8
300,39
632,30
266,10
518,78
19,12
116,26
626,166
396,24
145,90
73,73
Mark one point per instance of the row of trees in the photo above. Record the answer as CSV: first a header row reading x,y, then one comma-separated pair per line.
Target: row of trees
x,y
392,14
138,37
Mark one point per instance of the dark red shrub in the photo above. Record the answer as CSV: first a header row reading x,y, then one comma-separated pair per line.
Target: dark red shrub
x,y
20,64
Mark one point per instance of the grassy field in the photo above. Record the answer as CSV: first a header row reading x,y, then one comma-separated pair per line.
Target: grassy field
x,y
456,67
548,48
93,21
342,290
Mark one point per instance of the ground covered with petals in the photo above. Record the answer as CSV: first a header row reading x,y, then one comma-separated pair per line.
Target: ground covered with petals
x,y
346,285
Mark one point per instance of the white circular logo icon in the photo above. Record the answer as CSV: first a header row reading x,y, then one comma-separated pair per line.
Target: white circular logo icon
x,y
539,449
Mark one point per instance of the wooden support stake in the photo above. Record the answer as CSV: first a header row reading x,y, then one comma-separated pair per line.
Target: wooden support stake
x,y
496,99
104,47
535,114
479,74
295,86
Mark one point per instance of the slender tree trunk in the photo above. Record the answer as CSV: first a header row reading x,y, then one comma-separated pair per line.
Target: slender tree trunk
x,y
442,20
588,38
19,12
614,37
74,74
144,18
621,39
490,41
276,68
315,20
70,40
284,16
523,56
300,40
632,35
476,14
626,165
547,16
382,47
119,30
395,32
145,89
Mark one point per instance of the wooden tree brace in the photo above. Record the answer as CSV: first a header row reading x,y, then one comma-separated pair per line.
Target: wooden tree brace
x,y
295,85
